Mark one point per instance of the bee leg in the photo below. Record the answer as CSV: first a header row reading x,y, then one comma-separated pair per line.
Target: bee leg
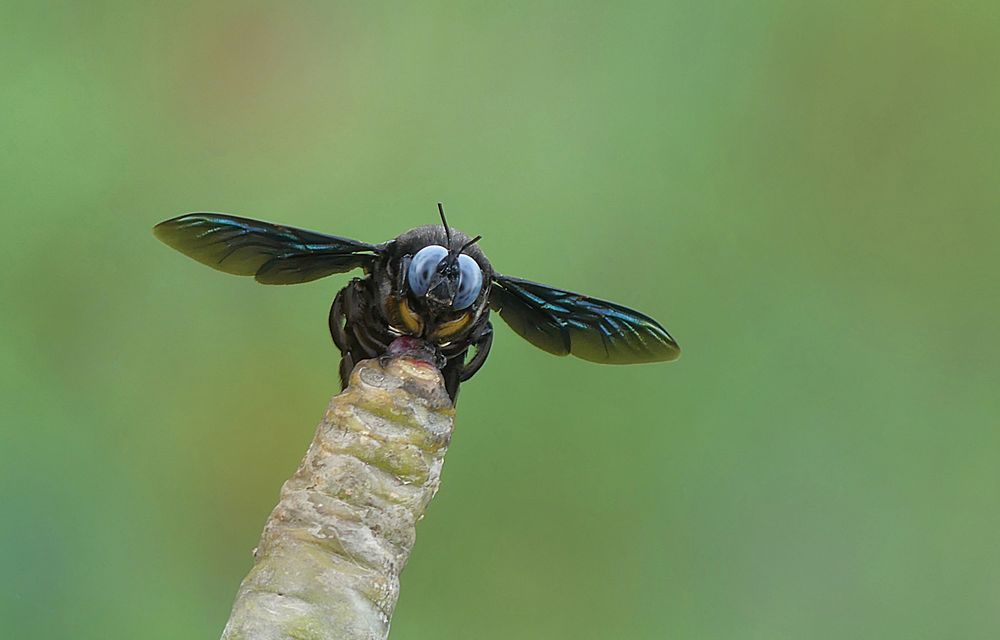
x,y
359,312
338,332
452,374
346,367
337,320
482,344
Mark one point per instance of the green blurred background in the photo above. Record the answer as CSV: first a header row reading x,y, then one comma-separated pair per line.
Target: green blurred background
x,y
804,193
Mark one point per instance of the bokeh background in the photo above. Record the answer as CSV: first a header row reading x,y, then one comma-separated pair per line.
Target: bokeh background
x,y
804,193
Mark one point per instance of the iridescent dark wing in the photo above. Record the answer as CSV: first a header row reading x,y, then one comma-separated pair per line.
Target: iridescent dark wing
x,y
562,322
272,253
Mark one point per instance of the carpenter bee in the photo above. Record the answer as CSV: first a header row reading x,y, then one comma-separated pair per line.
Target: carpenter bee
x,y
432,283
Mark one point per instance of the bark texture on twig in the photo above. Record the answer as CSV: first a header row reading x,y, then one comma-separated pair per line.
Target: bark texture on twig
x,y
329,559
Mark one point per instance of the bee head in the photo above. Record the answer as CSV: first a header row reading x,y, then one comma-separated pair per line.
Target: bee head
x,y
443,277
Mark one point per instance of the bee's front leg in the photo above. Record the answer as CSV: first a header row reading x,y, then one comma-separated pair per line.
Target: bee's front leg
x,y
482,343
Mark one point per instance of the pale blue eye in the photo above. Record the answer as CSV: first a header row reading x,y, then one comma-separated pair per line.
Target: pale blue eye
x,y
423,266
470,281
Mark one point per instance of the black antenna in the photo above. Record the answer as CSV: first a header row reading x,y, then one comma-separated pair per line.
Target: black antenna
x,y
447,231
470,243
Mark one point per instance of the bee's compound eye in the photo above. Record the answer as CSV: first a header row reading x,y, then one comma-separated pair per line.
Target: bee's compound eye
x,y
422,267
470,282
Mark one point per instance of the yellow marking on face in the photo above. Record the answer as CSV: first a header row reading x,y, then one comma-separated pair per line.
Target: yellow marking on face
x,y
413,322
451,327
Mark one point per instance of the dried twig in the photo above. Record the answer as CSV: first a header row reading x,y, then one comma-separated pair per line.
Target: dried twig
x,y
329,559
